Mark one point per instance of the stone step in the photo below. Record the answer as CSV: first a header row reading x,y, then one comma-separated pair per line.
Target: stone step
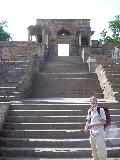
x,y
113,76
12,84
116,90
60,90
57,106
75,125
63,59
114,81
34,158
66,66
57,119
112,71
54,112
38,95
54,152
65,63
9,98
111,64
64,70
49,106
65,93
49,112
8,88
67,82
39,142
113,132
112,67
72,75
8,93
50,133
70,86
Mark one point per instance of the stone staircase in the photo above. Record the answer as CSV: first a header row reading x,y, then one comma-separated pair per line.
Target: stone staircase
x,y
52,126
53,130
15,80
65,77
112,71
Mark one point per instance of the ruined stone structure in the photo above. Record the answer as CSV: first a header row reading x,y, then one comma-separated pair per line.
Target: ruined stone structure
x,y
51,32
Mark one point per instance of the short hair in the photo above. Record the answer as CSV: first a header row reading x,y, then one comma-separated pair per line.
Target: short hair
x,y
93,97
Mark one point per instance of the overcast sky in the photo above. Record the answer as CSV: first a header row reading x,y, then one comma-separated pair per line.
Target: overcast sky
x,y
22,13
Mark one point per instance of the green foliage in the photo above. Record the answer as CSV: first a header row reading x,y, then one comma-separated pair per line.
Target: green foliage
x,y
114,26
4,36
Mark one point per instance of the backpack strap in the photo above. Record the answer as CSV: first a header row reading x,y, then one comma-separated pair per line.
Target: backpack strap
x,y
98,109
90,115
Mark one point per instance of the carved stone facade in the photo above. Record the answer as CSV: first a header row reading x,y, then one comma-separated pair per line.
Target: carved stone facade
x,y
51,32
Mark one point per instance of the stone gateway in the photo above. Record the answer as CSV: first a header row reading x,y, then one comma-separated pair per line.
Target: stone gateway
x,y
51,32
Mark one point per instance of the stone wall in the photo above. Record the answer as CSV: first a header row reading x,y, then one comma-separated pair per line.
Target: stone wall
x,y
108,48
3,111
16,48
108,71
16,76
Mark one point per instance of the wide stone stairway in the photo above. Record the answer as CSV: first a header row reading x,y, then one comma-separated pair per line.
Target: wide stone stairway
x,y
50,123
65,77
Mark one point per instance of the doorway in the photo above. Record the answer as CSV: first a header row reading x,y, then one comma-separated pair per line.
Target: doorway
x,y
63,49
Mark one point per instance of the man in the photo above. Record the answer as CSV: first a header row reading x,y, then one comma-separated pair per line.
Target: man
x,y
116,52
95,123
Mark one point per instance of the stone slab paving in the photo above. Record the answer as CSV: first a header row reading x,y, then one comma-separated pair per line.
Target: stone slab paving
x,y
34,158
68,100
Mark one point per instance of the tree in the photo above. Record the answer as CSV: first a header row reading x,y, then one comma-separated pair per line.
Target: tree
x,y
114,26
4,36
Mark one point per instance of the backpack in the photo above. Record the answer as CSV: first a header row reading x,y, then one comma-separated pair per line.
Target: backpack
x,y
108,117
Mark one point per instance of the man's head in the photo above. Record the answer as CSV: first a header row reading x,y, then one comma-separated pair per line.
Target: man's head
x,y
93,101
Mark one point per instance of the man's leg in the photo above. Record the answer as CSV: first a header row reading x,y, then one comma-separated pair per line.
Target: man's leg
x,y
101,147
93,146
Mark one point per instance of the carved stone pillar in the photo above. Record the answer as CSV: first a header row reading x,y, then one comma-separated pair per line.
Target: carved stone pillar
x,y
28,35
43,36
36,39
79,39
30,38
90,42
47,40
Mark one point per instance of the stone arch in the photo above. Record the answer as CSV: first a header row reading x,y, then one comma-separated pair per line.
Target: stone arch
x,y
63,32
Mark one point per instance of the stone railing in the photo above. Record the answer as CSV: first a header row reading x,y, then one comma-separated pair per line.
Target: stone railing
x,y
86,51
104,83
99,65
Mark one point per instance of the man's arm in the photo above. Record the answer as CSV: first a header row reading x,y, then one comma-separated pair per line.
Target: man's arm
x,y
101,123
86,126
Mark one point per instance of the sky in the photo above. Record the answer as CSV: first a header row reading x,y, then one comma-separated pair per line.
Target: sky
x,y
20,14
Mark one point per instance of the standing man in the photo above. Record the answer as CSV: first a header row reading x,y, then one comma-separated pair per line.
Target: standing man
x,y
95,123
116,52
